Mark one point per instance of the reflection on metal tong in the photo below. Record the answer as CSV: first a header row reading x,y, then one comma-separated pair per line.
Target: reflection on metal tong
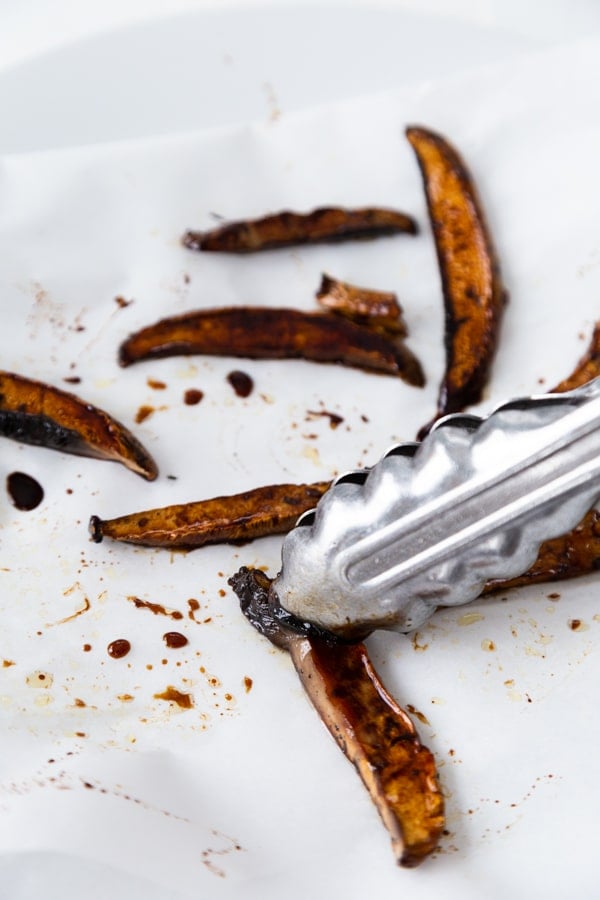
x,y
431,523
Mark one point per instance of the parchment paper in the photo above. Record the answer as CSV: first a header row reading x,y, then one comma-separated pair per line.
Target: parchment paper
x,y
245,794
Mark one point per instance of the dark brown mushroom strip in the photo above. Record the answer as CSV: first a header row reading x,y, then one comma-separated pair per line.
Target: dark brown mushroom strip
x,y
273,509
378,309
569,556
586,369
286,229
474,297
373,731
267,333
36,413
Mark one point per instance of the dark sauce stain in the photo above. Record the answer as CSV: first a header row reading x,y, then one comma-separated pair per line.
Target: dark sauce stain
x,y
119,648
242,384
87,648
24,491
574,624
174,639
192,397
334,419
157,608
248,682
122,302
155,384
73,379
183,701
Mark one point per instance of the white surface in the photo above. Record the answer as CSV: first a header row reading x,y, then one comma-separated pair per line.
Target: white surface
x,y
173,792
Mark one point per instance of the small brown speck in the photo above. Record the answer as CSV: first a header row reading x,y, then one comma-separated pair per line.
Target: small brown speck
x,y
156,385
553,596
248,684
143,413
80,703
122,302
86,648
577,625
6,663
418,715
488,645
72,379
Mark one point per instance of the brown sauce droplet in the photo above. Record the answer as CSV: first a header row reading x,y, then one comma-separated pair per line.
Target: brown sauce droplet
x,y
194,606
122,302
87,648
118,648
242,384
7,663
183,701
25,492
73,379
143,413
193,396
155,384
174,639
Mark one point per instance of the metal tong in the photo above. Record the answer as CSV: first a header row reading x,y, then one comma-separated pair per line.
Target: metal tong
x,y
431,523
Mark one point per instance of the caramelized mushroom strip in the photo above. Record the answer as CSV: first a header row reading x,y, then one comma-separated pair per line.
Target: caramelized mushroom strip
x,y
286,229
273,509
569,556
586,369
267,333
35,413
474,297
379,309
373,731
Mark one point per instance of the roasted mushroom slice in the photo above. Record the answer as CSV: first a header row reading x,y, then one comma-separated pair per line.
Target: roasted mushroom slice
x,y
272,333
376,734
36,413
286,229
272,509
587,368
377,309
474,297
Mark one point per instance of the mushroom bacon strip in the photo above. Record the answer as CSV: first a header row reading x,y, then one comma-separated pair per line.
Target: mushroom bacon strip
x,y
586,369
377,309
273,509
268,333
375,734
285,229
474,297
36,413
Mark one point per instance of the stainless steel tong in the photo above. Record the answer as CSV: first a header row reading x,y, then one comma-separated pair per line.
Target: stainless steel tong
x,y
431,523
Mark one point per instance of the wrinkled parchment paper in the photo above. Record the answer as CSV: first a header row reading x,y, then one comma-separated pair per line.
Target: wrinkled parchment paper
x,y
244,793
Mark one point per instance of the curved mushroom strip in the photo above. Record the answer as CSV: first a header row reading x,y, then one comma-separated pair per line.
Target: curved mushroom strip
x,y
376,734
273,509
268,333
286,229
474,297
35,413
377,309
587,368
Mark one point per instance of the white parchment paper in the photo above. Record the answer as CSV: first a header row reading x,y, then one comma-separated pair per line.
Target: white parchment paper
x,y
245,794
